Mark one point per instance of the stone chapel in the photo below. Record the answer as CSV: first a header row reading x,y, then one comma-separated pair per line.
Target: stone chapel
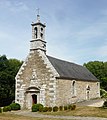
x,y
51,81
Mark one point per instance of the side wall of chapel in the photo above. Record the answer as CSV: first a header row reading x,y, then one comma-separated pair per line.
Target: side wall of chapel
x,y
66,93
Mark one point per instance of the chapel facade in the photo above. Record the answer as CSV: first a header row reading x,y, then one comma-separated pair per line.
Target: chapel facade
x,y
51,81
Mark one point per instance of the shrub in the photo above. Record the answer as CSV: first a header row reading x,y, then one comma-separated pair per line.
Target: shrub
x,y
0,110
60,108
65,107
45,109
40,109
105,104
15,106
37,107
69,107
55,109
50,109
9,108
6,108
34,108
73,107
103,93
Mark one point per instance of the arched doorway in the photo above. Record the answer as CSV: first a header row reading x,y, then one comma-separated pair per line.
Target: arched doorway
x,y
34,99
32,96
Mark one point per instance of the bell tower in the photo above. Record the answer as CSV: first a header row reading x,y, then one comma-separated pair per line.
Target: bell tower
x,y
38,36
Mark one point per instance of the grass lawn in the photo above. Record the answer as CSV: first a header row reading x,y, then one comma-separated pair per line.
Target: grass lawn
x,y
83,111
80,111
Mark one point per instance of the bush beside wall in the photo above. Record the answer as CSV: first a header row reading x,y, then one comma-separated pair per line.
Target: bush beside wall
x,y
55,109
50,109
0,110
15,106
105,104
6,108
41,108
61,108
37,107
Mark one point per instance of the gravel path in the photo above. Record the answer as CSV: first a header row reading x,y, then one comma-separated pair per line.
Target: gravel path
x,y
31,114
94,103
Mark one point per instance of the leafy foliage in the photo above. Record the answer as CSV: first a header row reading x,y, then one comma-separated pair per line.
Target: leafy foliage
x,y
6,108
36,107
50,109
103,93
105,104
55,109
8,71
15,106
40,109
45,109
0,110
99,69
73,107
60,108
65,107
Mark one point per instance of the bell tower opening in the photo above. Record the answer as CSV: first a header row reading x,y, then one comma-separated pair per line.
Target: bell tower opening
x,y
35,32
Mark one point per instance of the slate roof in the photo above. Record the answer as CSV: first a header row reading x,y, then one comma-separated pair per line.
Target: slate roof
x,y
68,70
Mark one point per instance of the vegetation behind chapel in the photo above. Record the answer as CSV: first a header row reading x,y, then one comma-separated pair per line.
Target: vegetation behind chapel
x,y
98,69
8,71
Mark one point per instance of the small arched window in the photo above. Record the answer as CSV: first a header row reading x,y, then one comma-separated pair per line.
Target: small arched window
x,y
41,35
41,29
73,88
88,88
87,92
35,28
98,88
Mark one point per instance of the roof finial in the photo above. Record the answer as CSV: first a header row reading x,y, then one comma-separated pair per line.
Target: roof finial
x,y
38,16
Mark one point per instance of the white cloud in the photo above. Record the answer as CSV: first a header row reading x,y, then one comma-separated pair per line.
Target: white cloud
x,y
13,6
102,51
19,6
90,32
5,3
104,12
5,36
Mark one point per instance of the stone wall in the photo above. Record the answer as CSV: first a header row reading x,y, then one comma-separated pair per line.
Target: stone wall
x,y
64,91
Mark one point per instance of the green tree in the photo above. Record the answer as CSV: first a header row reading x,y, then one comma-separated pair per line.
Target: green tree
x,y
8,71
99,69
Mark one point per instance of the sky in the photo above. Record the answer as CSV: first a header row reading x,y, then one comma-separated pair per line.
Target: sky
x,y
76,30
